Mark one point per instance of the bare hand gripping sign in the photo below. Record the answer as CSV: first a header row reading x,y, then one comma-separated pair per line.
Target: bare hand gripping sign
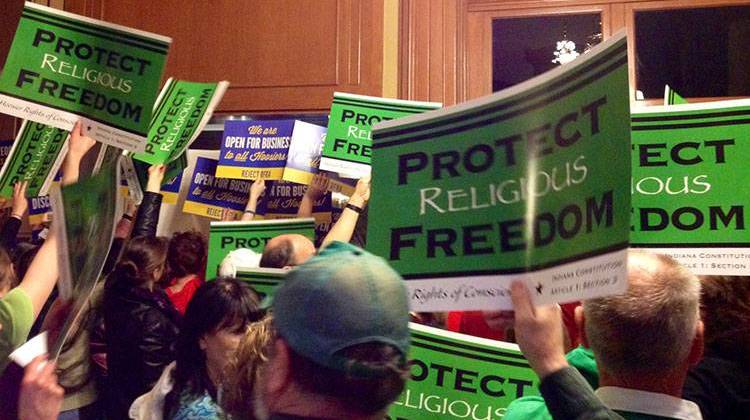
x,y
531,183
62,67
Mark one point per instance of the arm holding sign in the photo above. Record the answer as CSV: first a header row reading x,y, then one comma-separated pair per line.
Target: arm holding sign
x,y
20,205
147,217
344,227
42,274
539,333
79,144
256,190
315,190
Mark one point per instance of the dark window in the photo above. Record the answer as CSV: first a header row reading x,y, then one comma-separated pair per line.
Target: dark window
x,y
698,52
524,47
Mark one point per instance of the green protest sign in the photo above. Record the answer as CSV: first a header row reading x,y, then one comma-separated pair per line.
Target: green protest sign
x,y
348,145
35,156
181,111
528,183
263,280
671,97
225,237
456,376
85,213
689,171
63,67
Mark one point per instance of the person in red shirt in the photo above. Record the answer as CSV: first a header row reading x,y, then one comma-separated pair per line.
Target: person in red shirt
x,y
187,263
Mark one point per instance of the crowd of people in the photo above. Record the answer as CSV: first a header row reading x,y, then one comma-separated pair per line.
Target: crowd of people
x,y
157,340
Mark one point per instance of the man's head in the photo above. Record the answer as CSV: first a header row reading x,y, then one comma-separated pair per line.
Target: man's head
x,y
342,325
288,250
653,329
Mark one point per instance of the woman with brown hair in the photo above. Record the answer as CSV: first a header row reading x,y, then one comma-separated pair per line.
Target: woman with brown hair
x,y
141,324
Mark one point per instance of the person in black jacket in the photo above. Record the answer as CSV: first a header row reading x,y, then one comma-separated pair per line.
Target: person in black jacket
x,y
141,325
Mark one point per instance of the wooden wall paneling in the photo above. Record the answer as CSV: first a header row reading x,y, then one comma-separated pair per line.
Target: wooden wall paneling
x,y
478,54
431,52
278,55
10,13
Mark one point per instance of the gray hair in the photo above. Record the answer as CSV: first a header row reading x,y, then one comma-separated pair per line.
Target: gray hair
x,y
650,328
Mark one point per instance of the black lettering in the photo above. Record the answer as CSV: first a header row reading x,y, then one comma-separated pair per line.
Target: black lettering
x,y
484,385
410,162
510,230
423,371
346,115
718,146
441,369
677,218
465,377
488,158
593,110
560,139
471,237
25,76
42,35
678,159
438,164
566,233
644,154
735,212
398,242
596,211
547,219
645,217
445,243
520,385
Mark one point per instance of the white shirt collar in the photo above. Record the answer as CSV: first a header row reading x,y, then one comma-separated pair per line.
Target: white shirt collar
x,y
636,401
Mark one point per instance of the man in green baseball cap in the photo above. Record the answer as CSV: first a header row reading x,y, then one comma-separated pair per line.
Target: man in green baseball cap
x,y
341,321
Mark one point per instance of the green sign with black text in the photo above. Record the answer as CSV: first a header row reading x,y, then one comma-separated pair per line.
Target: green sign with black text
x,y
348,145
181,111
62,67
456,376
689,172
35,156
528,183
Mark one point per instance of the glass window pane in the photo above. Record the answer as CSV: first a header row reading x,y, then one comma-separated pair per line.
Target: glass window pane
x,y
699,52
524,47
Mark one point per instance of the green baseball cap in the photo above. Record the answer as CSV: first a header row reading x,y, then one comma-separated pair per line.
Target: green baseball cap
x,y
341,297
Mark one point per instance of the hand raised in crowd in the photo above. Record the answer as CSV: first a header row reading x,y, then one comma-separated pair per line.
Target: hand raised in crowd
x,y
155,177
539,332
318,187
257,188
20,202
41,397
78,146
228,215
361,192
79,143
